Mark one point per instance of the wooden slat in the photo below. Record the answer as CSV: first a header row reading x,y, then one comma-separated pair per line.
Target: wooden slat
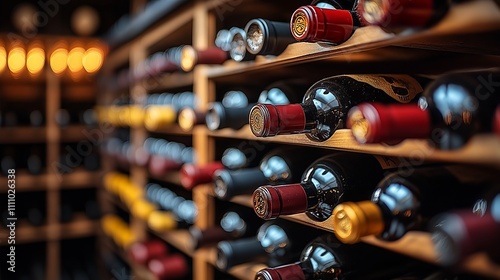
x,y
25,135
79,227
482,149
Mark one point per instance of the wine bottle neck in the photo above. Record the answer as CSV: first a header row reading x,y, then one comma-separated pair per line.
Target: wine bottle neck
x,y
270,120
312,23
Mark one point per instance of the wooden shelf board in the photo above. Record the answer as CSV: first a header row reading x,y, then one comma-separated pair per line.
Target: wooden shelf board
x,y
243,271
74,133
27,182
80,179
180,239
482,149
79,227
22,134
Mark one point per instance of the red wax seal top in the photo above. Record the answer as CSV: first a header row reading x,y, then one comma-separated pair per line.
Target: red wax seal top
x,y
192,175
375,122
269,120
272,201
312,24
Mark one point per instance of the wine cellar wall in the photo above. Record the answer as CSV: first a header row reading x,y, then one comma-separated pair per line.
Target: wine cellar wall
x,y
149,146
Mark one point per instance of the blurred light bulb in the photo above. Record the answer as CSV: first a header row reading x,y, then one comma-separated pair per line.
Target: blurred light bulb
x,y
35,60
75,59
16,60
93,59
3,58
58,60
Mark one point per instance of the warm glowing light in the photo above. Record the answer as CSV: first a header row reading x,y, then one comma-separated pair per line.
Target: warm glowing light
x,y
75,59
35,60
16,60
93,59
3,58
58,60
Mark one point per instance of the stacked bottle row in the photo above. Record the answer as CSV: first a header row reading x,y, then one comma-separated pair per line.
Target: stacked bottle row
x,y
158,155
326,21
368,104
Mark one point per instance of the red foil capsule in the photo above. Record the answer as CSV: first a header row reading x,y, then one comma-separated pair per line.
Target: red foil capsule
x,y
285,272
169,267
269,120
312,24
376,122
143,252
271,202
192,175
401,13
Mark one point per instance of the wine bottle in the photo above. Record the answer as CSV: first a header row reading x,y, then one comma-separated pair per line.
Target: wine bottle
x,y
394,14
278,93
325,183
276,167
10,119
158,116
190,57
35,162
36,118
232,225
238,45
327,258
142,252
167,267
265,37
313,24
171,156
405,201
325,105
63,118
450,111
188,118
276,243
231,112
460,233
192,175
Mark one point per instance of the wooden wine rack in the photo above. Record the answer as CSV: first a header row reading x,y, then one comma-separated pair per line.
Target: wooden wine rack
x,y
20,88
467,38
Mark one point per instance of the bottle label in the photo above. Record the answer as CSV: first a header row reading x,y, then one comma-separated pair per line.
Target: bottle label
x,y
402,88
